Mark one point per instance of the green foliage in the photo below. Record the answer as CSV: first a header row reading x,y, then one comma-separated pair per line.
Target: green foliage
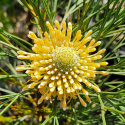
x,y
107,20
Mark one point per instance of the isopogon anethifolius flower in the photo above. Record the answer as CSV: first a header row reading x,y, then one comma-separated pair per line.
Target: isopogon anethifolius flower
x,y
60,66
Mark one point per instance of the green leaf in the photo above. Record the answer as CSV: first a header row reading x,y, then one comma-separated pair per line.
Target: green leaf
x,y
10,46
14,99
13,76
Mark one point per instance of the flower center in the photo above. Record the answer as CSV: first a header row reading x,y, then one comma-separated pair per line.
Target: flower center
x,y
65,58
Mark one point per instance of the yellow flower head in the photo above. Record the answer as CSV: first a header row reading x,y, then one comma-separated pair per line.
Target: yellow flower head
x,y
60,66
